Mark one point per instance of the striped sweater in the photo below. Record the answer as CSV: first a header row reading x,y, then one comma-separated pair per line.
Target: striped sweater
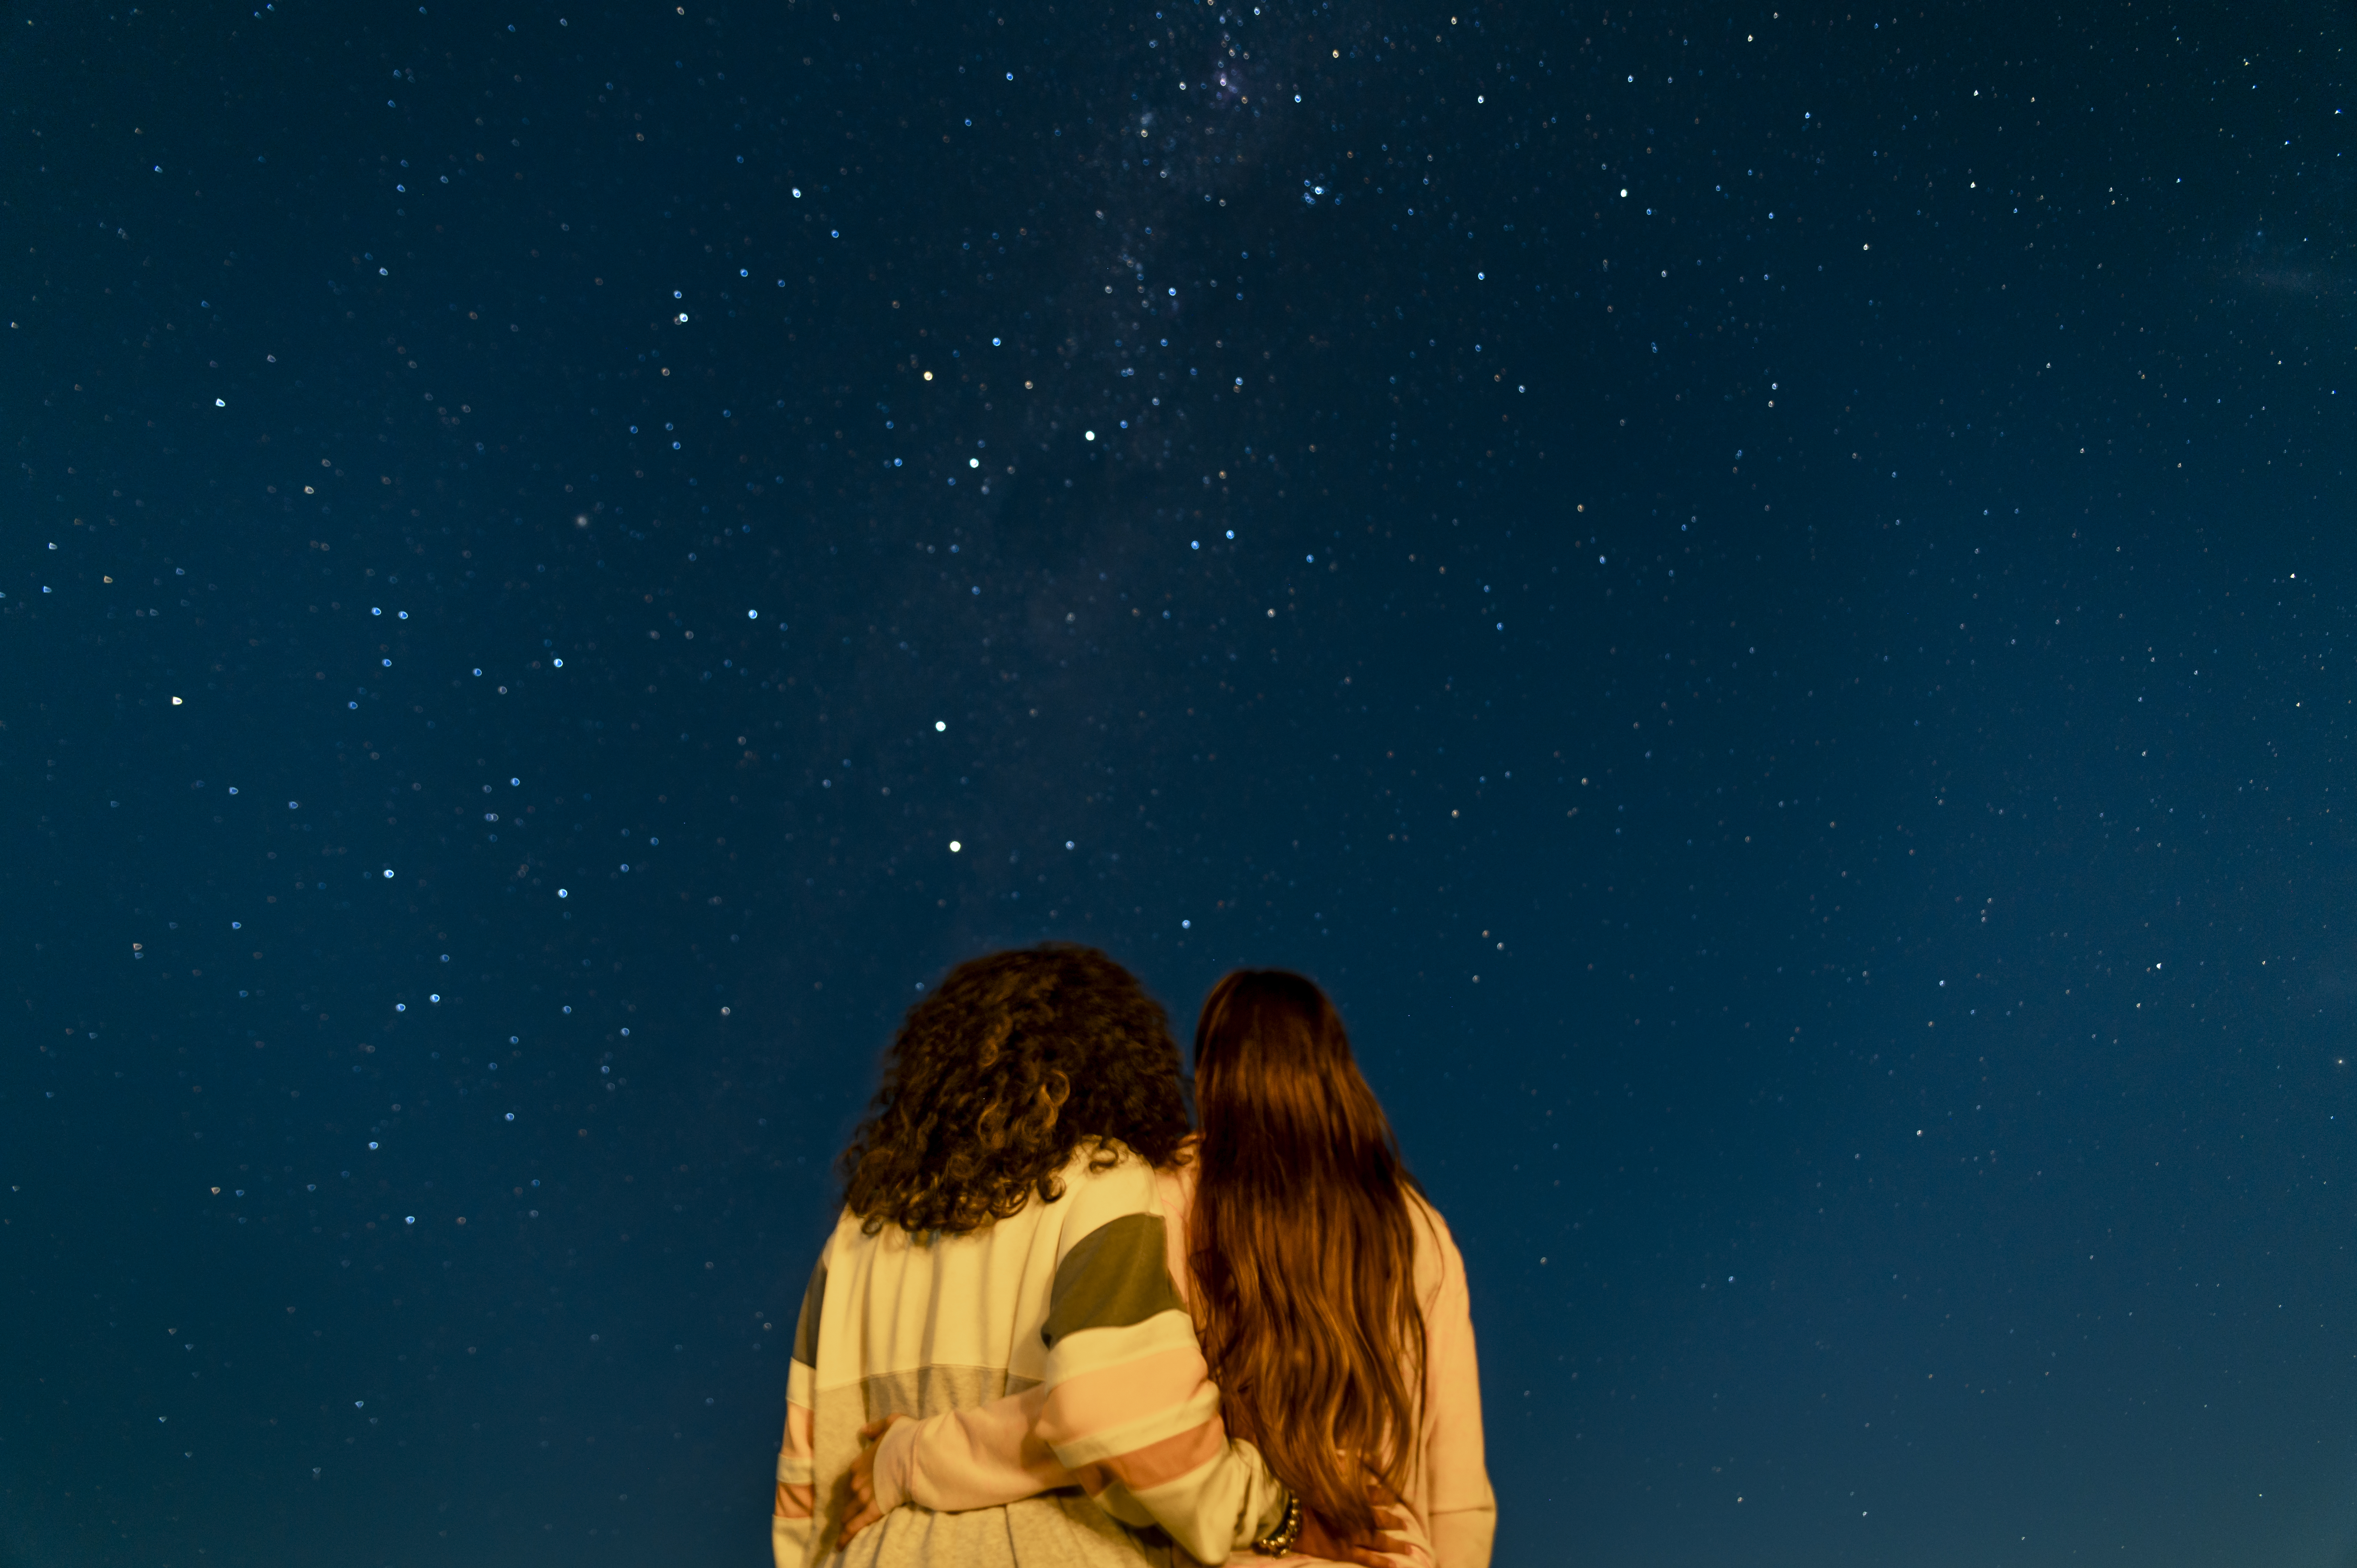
x,y
973,1458
1062,1318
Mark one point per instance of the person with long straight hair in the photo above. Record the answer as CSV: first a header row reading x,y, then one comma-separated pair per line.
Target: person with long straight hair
x,y
1326,1292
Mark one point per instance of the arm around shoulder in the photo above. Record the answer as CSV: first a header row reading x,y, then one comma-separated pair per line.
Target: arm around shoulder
x,y
1129,1410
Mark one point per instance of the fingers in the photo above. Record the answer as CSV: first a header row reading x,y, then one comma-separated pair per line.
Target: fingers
x,y
877,1428
866,1515
1404,1556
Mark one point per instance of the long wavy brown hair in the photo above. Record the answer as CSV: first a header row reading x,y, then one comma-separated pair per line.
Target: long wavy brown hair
x,y
1304,1249
996,1081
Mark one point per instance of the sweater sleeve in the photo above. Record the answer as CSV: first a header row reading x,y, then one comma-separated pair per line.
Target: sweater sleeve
x,y
1463,1510
977,1458
790,1520
1128,1407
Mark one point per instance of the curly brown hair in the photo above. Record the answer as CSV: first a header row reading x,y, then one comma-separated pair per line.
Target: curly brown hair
x,y
997,1079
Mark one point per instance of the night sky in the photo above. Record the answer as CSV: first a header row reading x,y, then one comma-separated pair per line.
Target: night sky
x,y
1765,599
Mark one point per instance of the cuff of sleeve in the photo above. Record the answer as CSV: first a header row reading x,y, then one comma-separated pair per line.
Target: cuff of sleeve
x,y
896,1456
788,1542
1266,1497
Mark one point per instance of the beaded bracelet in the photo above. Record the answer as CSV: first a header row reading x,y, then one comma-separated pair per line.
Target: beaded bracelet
x,y
1279,1541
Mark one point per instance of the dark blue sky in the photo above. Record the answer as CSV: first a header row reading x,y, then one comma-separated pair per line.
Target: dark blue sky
x,y
1762,595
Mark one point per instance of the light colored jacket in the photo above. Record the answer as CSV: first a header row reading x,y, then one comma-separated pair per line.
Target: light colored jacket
x,y
1064,1311
973,1458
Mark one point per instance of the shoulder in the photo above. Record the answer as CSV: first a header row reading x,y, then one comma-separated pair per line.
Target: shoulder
x,y
1439,1265
1112,1270
1175,1187
1102,1181
1431,1228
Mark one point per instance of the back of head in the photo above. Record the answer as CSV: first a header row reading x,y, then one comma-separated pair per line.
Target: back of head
x,y
997,1079
1303,1247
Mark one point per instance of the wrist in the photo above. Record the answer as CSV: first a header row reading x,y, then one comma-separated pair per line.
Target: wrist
x,y
1279,1541
895,1454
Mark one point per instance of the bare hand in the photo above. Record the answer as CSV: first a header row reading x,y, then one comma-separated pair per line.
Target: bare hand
x,y
862,1479
1386,1548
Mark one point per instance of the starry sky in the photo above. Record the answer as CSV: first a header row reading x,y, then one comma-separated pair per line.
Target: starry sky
x,y
1764,598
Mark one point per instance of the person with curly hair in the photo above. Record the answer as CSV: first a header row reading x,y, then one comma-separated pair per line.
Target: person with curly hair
x,y
1003,1245
1326,1290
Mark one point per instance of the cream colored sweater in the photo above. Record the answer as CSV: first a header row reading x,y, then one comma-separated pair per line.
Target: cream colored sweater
x,y
973,1458
1064,1318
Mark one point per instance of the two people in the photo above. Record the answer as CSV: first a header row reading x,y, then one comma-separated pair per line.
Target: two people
x,y
1055,1324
